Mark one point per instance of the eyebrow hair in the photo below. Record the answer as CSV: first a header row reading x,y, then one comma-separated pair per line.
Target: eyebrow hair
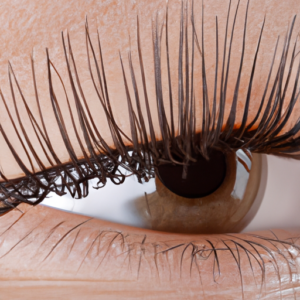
x,y
140,158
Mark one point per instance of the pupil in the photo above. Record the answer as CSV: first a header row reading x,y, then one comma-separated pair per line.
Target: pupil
x,y
203,177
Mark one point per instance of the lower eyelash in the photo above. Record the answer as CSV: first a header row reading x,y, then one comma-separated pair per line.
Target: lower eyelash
x,y
145,154
263,263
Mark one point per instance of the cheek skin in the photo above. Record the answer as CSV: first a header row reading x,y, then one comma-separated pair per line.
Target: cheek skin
x,y
44,251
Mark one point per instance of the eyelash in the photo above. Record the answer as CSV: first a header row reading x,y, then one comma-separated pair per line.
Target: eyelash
x,y
144,155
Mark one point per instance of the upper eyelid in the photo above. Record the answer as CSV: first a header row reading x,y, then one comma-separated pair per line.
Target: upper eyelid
x,y
85,128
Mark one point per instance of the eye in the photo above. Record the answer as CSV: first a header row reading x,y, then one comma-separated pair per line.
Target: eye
x,y
153,205
275,205
154,138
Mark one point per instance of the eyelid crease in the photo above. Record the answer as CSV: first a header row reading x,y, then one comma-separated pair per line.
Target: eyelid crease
x,y
140,158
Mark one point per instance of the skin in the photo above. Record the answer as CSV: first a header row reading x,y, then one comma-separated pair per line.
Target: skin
x,y
48,252
45,252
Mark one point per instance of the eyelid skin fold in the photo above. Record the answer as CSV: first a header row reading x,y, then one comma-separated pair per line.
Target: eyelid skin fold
x,y
86,257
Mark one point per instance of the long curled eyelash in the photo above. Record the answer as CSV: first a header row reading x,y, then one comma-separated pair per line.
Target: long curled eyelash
x,y
176,142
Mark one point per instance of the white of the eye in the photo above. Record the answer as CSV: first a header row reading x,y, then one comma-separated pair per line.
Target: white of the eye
x,y
277,205
280,194
112,203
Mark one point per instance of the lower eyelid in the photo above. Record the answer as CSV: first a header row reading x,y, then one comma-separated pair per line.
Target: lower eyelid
x,y
98,251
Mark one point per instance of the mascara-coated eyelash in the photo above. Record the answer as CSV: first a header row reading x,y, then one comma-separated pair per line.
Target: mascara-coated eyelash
x,y
179,143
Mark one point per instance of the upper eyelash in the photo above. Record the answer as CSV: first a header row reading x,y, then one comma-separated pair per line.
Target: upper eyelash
x,y
144,154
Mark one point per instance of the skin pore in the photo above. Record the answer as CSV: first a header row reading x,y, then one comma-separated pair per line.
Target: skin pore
x,y
48,252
